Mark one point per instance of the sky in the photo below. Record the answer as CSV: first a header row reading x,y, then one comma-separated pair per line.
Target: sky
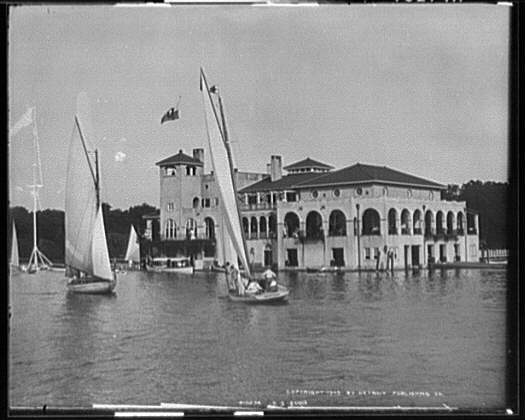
x,y
418,88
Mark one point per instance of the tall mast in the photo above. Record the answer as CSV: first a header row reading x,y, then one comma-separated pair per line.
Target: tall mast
x,y
97,179
234,180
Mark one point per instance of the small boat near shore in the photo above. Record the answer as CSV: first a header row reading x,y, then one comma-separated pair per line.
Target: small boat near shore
x,y
180,265
235,251
267,297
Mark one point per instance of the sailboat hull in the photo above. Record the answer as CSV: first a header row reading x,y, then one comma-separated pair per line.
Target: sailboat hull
x,y
278,297
92,286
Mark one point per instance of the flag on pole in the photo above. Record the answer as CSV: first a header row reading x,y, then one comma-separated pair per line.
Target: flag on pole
x,y
24,121
171,115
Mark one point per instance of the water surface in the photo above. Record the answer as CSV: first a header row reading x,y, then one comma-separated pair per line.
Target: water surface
x,y
415,339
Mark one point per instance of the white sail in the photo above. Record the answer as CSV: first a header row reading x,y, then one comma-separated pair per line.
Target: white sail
x,y
14,249
133,250
223,176
81,206
99,249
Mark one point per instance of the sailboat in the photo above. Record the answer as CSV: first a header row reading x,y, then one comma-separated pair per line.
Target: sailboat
x,y
133,249
234,245
15,261
88,267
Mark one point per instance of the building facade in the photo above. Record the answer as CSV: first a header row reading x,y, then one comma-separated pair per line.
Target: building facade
x,y
314,216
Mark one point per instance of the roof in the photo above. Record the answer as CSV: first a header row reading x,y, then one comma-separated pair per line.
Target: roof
x,y
287,181
307,163
355,174
362,173
179,159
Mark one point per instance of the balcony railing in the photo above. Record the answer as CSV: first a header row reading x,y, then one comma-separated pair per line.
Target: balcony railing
x,y
255,206
460,231
472,230
405,231
392,231
417,231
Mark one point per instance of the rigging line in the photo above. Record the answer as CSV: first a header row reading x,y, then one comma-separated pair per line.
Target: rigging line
x,y
178,102
85,150
37,147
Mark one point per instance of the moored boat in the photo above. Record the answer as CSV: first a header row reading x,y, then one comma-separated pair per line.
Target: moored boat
x,y
181,265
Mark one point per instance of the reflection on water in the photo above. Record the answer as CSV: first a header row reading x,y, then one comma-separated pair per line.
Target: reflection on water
x,y
415,338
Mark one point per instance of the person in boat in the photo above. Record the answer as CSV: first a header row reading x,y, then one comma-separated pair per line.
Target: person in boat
x,y
268,276
229,276
254,287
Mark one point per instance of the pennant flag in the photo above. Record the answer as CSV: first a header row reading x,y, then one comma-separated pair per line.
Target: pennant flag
x,y
171,115
24,121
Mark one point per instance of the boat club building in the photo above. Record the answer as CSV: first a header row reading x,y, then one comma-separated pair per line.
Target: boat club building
x,y
312,216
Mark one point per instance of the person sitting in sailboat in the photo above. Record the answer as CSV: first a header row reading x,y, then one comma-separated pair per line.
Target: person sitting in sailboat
x,y
268,276
254,287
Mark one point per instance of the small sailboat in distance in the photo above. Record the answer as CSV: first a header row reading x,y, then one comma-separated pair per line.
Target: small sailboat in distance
x,y
235,243
88,267
133,249
14,261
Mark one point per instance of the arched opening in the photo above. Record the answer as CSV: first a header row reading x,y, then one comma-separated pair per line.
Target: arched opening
x,y
392,222
253,227
291,224
314,226
210,228
416,223
439,222
245,226
460,228
405,222
262,227
272,225
371,222
337,224
450,223
191,229
268,258
429,219
196,202
171,229
471,223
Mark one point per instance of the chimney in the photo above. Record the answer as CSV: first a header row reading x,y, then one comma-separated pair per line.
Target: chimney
x,y
269,168
276,171
198,154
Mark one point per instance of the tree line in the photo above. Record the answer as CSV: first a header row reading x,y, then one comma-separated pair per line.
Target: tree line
x,y
489,199
50,229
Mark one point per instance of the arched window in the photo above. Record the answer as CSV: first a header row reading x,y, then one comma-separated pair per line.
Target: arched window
x,y
245,226
191,229
262,227
253,226
460,228
272,225
416,223
392,222
471,223
195,202
291,224
405,222
210,228
337,224
450,223
439,222
371,222
314,226
429,219
171,229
